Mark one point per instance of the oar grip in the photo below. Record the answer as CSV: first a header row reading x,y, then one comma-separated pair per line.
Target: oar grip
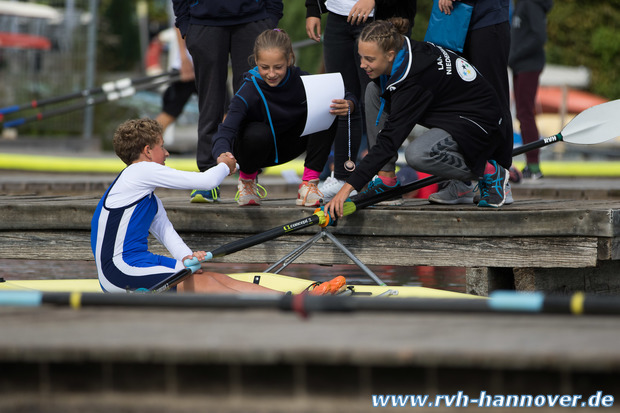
x,y
21,298
511,301
194,264
349,207
325,220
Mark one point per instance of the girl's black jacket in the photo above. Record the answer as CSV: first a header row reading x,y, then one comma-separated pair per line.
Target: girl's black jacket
x,y
437,88
282,107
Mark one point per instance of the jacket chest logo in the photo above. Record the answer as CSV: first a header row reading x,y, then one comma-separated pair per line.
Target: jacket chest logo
x,y
465,70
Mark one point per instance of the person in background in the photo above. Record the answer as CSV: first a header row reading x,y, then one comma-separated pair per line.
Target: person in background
x,y
266,118
442,91
177,94
487,46
214,31
345,21
527,60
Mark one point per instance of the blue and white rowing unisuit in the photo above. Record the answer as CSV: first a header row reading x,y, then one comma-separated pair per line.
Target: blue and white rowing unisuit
x,y
125,215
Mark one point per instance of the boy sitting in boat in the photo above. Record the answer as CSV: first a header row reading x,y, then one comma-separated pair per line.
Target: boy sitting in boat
x,y
129,210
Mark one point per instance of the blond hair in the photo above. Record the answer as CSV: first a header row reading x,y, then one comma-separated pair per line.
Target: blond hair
x,y
274,39
133,135
388,34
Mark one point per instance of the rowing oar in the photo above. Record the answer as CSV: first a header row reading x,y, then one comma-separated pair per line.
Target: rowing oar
x,y
107,87
108,96
498,302
594,125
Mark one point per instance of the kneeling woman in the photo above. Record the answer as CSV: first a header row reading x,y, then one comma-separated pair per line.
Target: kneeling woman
x,y
428,85
266,118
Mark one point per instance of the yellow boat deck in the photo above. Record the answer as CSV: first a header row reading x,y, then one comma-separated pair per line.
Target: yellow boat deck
x,y
274,281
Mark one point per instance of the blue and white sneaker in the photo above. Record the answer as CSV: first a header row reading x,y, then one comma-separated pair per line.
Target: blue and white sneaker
x,y
375,187
509,199
493,187
200,196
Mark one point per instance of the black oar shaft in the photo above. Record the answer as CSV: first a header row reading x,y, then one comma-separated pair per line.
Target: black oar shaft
x,y
167,300
264,236
172,281
393,193
504,302
536,144
421,183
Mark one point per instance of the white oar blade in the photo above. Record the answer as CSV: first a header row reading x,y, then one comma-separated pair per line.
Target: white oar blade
x,y
594,125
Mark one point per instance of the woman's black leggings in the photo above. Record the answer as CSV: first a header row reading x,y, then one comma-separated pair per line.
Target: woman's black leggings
x,y
254,147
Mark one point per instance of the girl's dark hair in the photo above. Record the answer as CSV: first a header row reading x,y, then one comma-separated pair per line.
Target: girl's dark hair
x,y
388,34
274,39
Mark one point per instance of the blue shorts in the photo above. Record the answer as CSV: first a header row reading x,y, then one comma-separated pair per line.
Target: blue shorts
x,y
148,271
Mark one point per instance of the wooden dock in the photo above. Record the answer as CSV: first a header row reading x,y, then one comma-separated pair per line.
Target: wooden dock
x,y
131,360
557,240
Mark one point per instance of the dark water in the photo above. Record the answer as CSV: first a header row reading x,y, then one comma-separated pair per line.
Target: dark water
x,y
444,278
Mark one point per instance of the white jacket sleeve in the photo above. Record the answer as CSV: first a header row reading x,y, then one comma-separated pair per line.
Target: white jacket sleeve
x,y
164,177
142,178
162,229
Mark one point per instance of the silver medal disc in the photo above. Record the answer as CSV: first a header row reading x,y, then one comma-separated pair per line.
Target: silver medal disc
x,y
349,165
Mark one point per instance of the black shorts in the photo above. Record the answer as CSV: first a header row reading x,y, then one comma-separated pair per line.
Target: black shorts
x,y
176,96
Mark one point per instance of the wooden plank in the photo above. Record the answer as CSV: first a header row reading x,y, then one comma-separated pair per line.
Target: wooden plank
x,y
513,252
533,233
416,218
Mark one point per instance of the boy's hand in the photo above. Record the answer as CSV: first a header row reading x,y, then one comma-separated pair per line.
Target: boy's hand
x,y
200,255
229,159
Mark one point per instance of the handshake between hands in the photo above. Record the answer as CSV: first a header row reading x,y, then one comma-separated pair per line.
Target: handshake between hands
x,y
229,159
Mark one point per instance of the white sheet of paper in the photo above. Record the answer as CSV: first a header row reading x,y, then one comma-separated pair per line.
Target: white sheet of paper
x,y
320,91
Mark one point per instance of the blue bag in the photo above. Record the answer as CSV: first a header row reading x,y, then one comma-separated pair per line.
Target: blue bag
x,y
449,30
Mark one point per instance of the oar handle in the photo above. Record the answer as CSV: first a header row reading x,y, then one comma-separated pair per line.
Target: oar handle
x,y
194,263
